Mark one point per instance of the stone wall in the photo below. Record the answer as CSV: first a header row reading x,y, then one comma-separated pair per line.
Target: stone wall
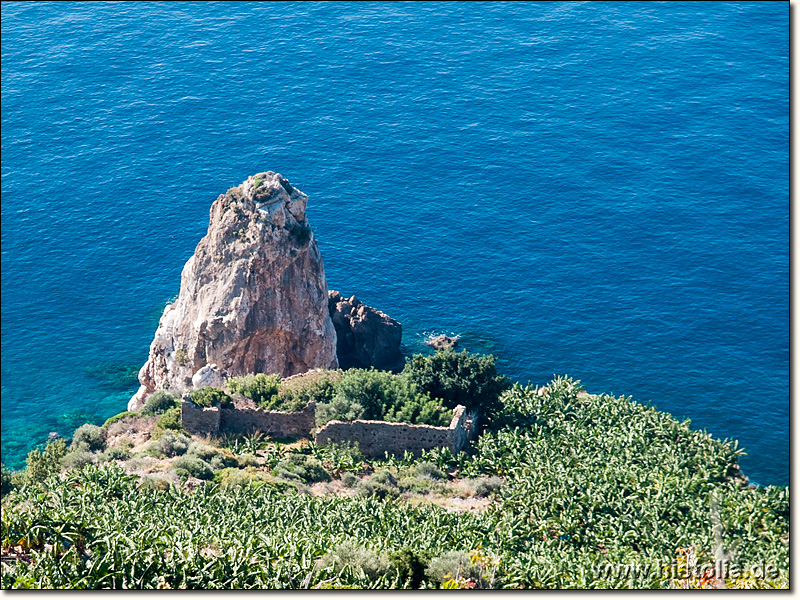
x,y
243,420
376,437
199,420
271,422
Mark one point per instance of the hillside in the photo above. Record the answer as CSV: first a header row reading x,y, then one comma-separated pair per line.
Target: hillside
x,y
563,489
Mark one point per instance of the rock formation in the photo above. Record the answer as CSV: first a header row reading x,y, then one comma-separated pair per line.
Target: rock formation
x,y
365,336
253,298
443,342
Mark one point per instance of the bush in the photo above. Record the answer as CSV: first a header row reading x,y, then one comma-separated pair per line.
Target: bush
x,y
261,388
358,558
154,483
340,409
384,397
317,386
78,458
210,396
170,420
429,470
193,466
121,452
453,565
384,478
375,487
349,480
247,460
173,445
40,465
217,457
483,486
459,378
159,403
118,417
300,468
410,566
90,438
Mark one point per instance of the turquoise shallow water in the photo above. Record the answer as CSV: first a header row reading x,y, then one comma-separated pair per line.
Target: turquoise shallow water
x,y
596,189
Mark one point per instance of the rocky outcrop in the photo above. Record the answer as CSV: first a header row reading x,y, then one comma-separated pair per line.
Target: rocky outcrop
x,y
253,297
442,342
366,337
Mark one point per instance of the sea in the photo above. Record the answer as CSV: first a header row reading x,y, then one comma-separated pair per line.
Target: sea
x,y
592,189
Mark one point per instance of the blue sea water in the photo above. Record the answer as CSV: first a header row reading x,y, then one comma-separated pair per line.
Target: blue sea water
x,y
593,189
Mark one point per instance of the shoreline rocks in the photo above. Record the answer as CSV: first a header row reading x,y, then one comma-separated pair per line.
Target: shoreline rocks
x,y
365,336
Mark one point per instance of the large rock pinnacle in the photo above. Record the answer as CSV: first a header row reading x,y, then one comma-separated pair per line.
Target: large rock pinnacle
x,y
253,298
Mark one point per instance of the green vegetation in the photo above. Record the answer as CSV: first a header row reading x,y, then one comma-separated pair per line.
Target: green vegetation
x,y
562,490
159,403
261,388
459,378
210,396
89,438
119,416
181,356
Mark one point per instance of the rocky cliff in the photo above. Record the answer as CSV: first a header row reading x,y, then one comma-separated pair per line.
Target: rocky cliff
x,y
365,336
253,298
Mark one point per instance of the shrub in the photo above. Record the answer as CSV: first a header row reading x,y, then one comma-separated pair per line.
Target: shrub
x,y
131,425
384,396
317,386
195,467
304,469
78,458
154,483
340,409
181,357
410,566
376,487
159,403
261,388
453,565
40,465
120,452
118,417
173,445
90,438
429,471
210,396
358,558
170,420
459,378
483,486
384,478
247,460
349,480
217,457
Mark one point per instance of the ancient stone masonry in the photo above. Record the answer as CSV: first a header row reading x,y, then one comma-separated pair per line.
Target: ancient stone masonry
x,y
373,437
377,437
244,420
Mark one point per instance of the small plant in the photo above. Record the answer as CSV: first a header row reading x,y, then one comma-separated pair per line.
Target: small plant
x,y
410,566
181,357
300,468
349,480
40,465
120,452
257,181
261,388
210,396
483,486
173,445
90,438
159,403
428,470
351,554
193,466
169,421
78,458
